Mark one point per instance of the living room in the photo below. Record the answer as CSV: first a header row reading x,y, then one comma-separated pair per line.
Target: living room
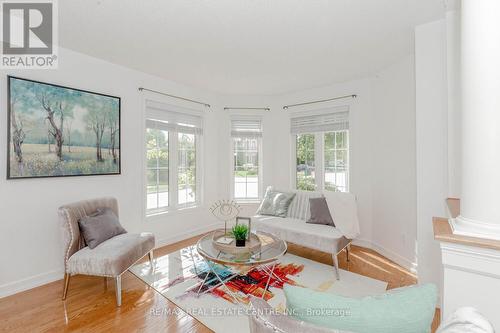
x,y
342,135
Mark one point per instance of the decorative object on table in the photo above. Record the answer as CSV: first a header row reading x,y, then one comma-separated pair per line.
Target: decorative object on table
x,y
225,211
222,239
249,224
56,131
240,232
251,246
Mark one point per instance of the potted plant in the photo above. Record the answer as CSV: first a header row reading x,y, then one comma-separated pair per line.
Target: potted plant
x,y
240,232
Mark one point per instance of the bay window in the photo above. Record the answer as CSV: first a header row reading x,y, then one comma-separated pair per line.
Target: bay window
x,y
321,146
172,155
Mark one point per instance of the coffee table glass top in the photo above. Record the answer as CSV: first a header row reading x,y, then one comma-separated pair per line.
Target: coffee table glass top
x,y
272,248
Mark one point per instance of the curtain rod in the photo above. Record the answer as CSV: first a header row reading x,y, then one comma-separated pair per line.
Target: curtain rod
x,y
173,96
245,108
318,101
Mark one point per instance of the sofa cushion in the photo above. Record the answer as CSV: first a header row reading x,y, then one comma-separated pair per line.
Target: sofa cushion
x,y
407,310
112,257
100,226
264,319
275,203
299,207
320,214
315,236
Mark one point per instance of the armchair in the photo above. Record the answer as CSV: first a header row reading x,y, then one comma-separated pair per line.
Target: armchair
x,y
109,259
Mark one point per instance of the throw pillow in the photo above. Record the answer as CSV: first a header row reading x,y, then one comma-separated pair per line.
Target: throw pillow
x,y
275,203
409,310
100,226
320,214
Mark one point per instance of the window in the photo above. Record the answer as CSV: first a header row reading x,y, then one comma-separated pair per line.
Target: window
x,y
186,168
156,167
305,162
246,147
172,156
336,161
322,151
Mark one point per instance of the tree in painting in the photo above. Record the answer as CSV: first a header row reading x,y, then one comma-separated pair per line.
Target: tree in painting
x,y
45,118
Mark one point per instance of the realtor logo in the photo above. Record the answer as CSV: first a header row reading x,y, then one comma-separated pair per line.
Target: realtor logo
x,y
29,34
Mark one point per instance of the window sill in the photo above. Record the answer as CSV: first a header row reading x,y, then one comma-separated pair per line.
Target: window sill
x,y
248,201
174,211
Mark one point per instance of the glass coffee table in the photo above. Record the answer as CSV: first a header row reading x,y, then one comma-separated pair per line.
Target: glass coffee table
x,y
271,250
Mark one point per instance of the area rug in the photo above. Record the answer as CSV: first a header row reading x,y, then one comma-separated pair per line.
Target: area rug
x,y
178,275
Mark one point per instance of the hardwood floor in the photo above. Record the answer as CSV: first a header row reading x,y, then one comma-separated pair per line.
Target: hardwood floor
x,y
90,305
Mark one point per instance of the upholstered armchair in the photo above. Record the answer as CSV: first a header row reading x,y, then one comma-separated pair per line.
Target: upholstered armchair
x,y
110,258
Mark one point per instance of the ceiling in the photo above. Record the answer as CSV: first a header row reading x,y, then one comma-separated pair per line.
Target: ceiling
x,y
251,47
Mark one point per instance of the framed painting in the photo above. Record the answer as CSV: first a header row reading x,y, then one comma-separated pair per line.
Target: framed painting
x,y
56,131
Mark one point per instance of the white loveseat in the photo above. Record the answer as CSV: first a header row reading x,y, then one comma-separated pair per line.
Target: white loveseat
x,y
294,228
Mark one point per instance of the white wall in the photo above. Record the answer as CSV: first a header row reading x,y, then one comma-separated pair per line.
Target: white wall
x,y
30,242
432,140
453,60
393,168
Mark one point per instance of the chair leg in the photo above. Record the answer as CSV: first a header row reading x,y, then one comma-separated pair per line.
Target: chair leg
x,y
348,251
67,276
151,258
105,280
336,264
118,289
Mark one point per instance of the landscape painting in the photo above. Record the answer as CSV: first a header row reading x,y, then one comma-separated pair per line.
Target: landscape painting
x,y
56,131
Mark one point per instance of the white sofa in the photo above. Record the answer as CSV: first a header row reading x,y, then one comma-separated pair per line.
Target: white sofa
x,y
294,228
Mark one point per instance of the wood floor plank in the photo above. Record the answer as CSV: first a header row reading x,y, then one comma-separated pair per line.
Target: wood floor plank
x,y
90,306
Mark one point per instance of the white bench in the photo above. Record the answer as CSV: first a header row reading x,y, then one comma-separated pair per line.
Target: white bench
x,y
294,228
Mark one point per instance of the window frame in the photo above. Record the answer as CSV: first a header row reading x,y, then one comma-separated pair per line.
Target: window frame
x,y
173,205
319,159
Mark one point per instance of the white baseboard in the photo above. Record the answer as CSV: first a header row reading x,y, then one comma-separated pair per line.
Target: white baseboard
x,y
398,259
34,281
31,282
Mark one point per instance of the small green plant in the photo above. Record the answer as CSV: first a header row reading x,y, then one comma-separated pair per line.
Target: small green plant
x,y
240,232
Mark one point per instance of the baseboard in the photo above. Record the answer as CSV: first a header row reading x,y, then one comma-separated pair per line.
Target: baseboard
x,y
404,262
34,281
187,234
30,282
